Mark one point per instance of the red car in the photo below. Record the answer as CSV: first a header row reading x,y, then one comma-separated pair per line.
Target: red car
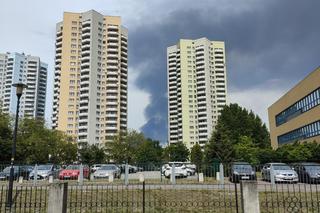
x,y
72,172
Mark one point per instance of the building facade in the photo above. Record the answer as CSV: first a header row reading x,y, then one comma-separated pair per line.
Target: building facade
x,y
27,69
91,72
296,115
197,89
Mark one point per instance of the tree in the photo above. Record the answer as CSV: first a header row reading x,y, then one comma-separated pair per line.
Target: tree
x,y
196,156
220,147
91,154
123,147
176,152
37,144
246,151
239,134
5,138
240,122
149,152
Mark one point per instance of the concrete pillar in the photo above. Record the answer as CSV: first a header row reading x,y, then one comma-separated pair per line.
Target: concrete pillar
x,y
110,178
201,179
221,174
35,174
80,178
126,174
50,178
250,197
20,179
57,200
173,174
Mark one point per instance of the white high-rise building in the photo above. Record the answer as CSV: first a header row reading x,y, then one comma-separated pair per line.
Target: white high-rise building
x,y
197,89
27,69
91,72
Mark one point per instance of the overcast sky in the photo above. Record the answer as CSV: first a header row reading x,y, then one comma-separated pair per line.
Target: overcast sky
x,y
271,45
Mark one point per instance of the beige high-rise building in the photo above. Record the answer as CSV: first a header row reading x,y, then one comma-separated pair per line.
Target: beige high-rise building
x,y
197,89
91,72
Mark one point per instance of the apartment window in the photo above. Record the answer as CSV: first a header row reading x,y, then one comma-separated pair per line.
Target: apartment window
x,y
72,69
74,22
70,126
73,34
73,46
74,28
73,51
71,93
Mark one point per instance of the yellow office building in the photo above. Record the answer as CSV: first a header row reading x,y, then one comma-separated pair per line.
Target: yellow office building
x,y
90,83
296,115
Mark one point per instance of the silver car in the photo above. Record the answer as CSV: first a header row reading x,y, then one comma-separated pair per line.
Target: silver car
x,y
107,170
281,171
44,171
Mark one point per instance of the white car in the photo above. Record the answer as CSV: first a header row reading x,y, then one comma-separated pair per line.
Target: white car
x,y
180,170
191,168
107,170
282,173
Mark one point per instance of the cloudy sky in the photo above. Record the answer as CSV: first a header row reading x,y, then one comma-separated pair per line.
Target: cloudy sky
x,y
271,45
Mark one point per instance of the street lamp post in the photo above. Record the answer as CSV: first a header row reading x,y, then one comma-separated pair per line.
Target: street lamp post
x,y
19,90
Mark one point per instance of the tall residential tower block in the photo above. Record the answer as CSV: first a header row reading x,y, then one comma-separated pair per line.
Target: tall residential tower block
x,y
27,69
91,72
197,89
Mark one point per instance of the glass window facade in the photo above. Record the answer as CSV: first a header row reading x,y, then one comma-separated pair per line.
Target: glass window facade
x,y
303,105
308,131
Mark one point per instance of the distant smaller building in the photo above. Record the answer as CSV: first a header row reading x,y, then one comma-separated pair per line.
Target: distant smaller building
x,y
27,69
296,115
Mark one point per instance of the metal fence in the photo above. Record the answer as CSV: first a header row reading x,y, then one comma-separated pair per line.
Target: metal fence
x,y
26,199
160,197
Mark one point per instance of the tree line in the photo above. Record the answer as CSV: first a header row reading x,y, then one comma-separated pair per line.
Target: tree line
x,y
239,135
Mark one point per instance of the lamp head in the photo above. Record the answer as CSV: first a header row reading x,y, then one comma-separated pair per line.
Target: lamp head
x,y
19,88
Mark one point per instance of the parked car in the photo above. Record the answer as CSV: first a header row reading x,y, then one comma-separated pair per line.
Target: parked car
x,y
73,172
191,168
19,171
107,170
5,174
241,171
282,173
45,170
180,170
132,169
308,172
95,167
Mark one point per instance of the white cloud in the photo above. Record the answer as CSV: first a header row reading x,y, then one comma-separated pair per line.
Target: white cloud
x,y
257,99
138,100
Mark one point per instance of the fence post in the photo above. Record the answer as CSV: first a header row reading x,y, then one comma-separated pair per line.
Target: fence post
x,y
173,174
143,197
221,173
35,174
58,196
250,197
126,174
80,178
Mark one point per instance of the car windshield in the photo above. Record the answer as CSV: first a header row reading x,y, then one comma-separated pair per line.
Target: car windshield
x,y
176,164
73,167
312,167
242,168
44,167
7,169
281,167
107,168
